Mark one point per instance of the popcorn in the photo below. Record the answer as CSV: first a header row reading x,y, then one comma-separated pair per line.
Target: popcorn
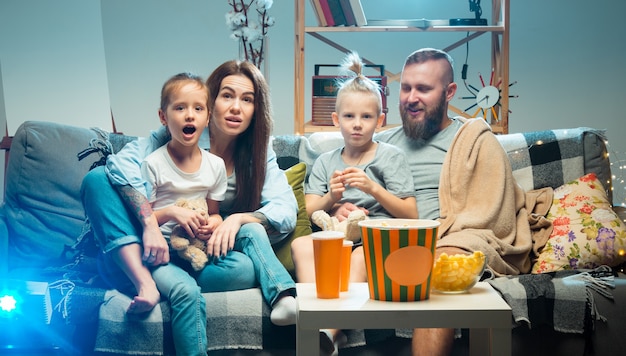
x,y
457,273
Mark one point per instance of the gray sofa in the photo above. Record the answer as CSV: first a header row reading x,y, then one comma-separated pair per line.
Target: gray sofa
x,y
42,217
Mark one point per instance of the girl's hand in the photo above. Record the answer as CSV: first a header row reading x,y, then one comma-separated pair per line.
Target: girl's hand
x,y
188,219
205,231
222,239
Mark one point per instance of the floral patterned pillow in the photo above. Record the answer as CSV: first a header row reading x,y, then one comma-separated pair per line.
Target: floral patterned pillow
x,y
586,231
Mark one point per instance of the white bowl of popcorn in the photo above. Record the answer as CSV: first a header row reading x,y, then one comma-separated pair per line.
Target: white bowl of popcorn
x,y
457,273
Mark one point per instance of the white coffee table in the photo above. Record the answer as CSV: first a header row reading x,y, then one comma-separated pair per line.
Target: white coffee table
x,y
482,310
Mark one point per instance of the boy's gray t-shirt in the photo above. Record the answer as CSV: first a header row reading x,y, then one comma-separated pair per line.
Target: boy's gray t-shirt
x,y
389,168
425,159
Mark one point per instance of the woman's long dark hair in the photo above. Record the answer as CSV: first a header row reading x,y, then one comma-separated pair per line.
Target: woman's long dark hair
x,y
250,154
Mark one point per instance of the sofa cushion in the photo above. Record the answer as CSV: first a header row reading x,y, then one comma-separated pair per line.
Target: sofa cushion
x,y
587,232
295,177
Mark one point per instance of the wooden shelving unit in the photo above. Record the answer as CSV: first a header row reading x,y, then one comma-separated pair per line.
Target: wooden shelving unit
x,y
499,31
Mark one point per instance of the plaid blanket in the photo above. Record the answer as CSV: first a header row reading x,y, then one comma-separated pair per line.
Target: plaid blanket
x,y
563,300
237,320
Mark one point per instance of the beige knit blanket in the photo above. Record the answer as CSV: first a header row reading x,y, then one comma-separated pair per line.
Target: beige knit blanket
x,y
481,205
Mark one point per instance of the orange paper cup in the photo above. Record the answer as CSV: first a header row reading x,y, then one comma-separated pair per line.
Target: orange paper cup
x,y
399,257
327,246
346,256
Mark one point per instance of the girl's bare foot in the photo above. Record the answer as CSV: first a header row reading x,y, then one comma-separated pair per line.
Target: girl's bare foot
x,y
145,301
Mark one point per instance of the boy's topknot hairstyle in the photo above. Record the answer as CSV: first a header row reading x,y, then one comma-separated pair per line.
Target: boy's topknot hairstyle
x,y
352,66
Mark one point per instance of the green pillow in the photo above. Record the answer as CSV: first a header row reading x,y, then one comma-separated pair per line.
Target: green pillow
x,y
295,176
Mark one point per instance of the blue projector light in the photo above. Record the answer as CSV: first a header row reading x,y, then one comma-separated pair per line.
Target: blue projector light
x,y
25,300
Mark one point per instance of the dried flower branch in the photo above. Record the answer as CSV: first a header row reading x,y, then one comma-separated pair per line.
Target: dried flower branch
x,y
249,33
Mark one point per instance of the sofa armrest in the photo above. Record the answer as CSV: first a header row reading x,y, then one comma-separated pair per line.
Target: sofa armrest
x,y
42,211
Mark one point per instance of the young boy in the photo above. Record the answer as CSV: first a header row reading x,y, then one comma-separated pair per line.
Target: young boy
x,y
364,174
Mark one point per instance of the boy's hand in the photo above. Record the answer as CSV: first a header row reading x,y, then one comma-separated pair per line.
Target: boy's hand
x,y
356,178
342,212
336,186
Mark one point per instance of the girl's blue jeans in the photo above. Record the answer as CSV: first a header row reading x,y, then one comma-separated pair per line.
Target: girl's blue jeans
x,y
274,279
114,225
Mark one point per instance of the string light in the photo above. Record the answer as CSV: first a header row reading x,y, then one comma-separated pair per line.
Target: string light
x,y
618,170
618,174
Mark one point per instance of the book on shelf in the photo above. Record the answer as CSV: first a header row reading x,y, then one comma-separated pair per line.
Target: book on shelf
x,y
347,12
359,15
319,14
337,12
326,12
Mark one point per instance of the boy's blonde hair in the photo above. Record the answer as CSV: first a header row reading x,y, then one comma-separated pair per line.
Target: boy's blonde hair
x,y
357,82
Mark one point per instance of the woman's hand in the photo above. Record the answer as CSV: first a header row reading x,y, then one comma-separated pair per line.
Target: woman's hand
x,y
222,239
155,248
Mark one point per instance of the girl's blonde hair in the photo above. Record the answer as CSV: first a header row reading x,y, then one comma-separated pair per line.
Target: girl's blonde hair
x,y
176,82
357,82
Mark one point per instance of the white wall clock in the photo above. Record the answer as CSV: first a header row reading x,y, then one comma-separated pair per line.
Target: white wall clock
x,y
486,99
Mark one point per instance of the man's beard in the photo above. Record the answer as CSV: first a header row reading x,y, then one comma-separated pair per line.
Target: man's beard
x,y
428,127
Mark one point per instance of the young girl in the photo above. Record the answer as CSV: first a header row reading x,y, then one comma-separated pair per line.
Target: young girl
x,y
364,174
180,169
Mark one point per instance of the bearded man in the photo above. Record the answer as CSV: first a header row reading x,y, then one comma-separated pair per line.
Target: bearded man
x,y
462,178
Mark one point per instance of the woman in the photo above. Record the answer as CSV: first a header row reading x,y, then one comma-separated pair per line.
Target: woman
x,y
259,206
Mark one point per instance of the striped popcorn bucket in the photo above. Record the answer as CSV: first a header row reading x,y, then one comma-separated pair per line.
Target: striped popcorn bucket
x,y
399,257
